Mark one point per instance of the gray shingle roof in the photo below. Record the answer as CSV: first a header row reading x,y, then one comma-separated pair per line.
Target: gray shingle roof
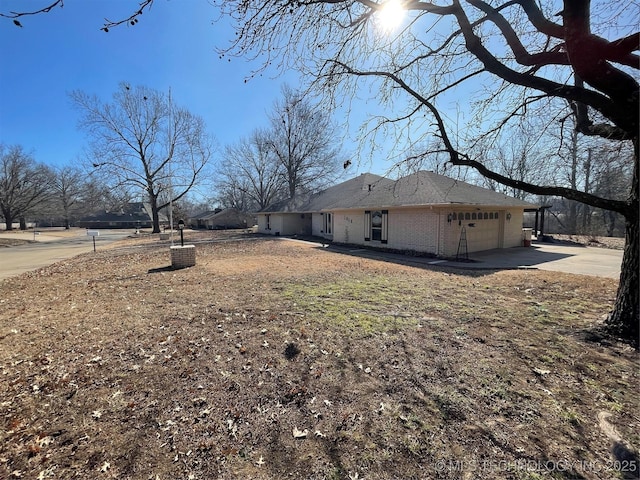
x,y
418,189
296,204
429,188
205,215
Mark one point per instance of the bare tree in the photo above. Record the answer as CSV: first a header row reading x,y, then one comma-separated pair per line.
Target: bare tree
x,y
99,196
505,59
69,188
232,193
24,184
519,156
250,176
610,174
49,5
297,154
142,140
303,141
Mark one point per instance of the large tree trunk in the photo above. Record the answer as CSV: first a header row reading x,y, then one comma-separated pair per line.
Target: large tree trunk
x,y
8,219
155,216
153,202
624,320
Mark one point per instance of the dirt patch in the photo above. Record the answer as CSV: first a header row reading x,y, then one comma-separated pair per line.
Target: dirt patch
x,y
273,358
12,242
614,243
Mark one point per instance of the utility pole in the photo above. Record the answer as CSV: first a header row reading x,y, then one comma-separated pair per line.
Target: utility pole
x,y
170,170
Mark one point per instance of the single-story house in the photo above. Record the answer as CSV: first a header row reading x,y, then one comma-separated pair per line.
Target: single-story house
x,y
222,219
422,212
132,215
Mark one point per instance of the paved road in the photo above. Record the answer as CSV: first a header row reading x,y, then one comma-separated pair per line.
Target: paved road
x,y
49,247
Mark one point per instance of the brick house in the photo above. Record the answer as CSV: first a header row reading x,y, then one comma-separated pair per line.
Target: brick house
x,y
131,215
422,212
222,219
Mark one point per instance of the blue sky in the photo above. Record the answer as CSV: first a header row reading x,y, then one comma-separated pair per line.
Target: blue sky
x,y
172,46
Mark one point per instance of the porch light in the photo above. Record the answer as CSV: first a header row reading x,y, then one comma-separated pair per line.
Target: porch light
x,y
508,216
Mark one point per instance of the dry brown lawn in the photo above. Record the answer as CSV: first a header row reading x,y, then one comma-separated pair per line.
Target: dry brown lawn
x,y
277,359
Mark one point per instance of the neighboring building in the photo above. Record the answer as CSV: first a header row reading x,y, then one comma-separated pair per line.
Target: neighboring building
x,y
423,212
219,219
133,215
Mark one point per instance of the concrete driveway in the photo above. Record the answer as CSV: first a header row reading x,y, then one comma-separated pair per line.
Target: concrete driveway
x,y
50,246
599,262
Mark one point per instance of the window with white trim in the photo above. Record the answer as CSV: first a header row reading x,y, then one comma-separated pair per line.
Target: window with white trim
x,y
327,223
376,226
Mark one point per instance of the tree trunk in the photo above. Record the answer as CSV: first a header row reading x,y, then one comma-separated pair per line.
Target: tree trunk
x,y
8,219
153,202
9,223
624,320
610,222
586,211
155,216
67,217
572,218
23,223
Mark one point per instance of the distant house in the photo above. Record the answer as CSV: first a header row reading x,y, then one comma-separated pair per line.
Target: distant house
x,y
422,212
219,219
133,215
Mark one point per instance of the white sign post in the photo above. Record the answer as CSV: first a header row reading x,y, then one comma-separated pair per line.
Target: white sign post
x,y
93,234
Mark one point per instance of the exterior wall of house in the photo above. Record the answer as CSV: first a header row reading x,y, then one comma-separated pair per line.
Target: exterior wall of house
x,y
419,229
348,226
513,229
407,229
318,225
269,223
430,231
414,229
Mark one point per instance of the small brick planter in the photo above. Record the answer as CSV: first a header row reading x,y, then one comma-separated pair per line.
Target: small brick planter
x,y
183,256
